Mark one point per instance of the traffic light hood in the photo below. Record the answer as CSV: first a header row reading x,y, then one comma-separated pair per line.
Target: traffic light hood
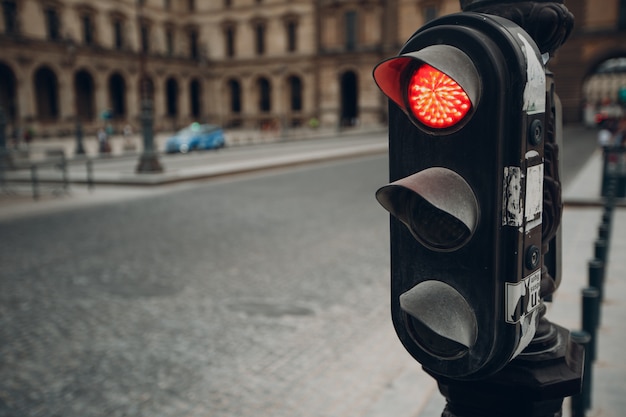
x,y
393,75
437,206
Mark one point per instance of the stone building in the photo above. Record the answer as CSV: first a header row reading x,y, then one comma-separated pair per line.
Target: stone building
x,y
237,63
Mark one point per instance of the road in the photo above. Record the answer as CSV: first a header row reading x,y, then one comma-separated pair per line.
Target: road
x,y
264,295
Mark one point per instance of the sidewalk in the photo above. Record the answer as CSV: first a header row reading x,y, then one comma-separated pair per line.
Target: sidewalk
x,y
116,177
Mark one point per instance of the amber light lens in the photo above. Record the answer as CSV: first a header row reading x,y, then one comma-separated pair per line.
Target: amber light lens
x,y
435,99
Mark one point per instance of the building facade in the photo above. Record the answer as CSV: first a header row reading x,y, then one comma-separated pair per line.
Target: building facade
x,y
237,63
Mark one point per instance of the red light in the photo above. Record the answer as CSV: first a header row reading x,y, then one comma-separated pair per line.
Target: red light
x,y
435,99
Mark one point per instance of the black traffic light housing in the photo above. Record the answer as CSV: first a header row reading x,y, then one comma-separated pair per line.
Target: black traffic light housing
x,y
466,193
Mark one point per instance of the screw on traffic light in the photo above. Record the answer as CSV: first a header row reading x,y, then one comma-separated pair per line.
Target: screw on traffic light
x,y
467,109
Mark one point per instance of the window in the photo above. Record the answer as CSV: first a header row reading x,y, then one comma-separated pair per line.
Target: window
x,y
265,104
295,90
621,19
87,23
171,93
259,31
193,45
235,96
292,36
53,24
169,41
229,35
9,11
351,30
145,38
118,37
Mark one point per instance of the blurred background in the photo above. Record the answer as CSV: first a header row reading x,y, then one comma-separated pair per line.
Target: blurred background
x,y
249,64
251,280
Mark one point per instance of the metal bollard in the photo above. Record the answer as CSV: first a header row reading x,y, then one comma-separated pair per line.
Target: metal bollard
x,y
600,250
596,276
582,401
90,182
35,181
591,307
66,180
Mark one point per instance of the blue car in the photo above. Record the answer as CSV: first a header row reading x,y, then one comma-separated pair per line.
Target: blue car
x,y
195,137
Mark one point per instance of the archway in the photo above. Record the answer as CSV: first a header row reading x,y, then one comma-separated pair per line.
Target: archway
x,y
295,93
265,96
195,92
84,95
234,90
349,99
117,94
47,93
8,96
171,93
601,92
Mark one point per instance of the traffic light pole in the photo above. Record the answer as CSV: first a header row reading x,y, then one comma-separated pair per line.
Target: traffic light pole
x,y
535,383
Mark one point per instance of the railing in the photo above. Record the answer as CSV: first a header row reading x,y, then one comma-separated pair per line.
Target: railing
x,y
56,179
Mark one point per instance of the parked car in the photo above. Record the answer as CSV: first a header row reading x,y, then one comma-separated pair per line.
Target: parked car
x,y
195,137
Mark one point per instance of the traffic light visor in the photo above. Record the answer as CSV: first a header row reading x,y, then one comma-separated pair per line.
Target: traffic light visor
x,y
437,206
439,318
437,86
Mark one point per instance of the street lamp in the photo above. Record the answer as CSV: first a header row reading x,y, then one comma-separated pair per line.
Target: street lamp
x,y
149,159
5,157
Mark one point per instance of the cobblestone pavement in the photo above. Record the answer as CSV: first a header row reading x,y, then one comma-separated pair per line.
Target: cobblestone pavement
x,y
99,319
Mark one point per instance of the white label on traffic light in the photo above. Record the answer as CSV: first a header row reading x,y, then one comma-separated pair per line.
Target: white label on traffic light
x,y
512,208
535,89
534,196
522,297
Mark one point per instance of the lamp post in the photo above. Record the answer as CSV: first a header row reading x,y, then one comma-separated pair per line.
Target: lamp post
x,y
80,149
5,157
149,158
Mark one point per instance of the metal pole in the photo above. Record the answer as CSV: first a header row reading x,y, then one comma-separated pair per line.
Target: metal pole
x,y
35,181
5,156
90,183
80,150
591,307
148,160
581,400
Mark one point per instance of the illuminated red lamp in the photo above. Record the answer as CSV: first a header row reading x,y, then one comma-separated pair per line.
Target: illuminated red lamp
x,y
437,87
435,99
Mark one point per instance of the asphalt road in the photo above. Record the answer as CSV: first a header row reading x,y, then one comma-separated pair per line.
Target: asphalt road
x,y
262,296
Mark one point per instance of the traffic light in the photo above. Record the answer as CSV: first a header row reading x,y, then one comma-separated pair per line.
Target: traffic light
x,y
467,108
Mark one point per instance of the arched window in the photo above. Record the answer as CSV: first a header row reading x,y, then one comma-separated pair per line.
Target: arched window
x,y
84,95
265,101
195,92
117,95
234,89
171,92
295,93
349,99
8,88
47,93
